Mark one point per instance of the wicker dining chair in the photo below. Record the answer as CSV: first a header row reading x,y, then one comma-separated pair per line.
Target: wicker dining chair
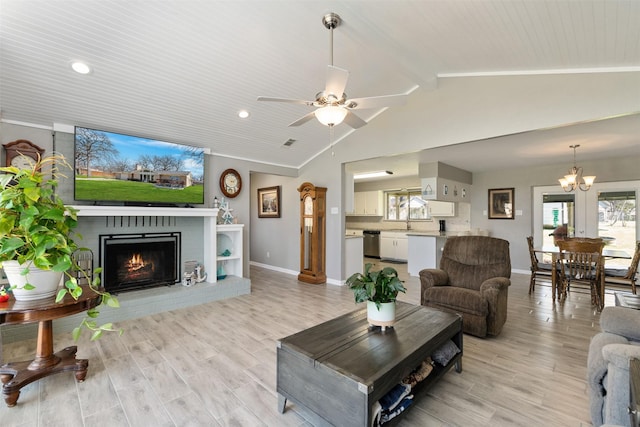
x,y
581,262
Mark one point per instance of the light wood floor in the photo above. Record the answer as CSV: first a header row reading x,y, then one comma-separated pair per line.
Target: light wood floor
x,y
215,364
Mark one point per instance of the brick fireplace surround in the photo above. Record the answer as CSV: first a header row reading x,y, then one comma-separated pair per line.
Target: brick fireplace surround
x,y
139,303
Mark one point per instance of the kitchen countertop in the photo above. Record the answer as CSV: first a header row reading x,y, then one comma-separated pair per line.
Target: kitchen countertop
x,y
432,233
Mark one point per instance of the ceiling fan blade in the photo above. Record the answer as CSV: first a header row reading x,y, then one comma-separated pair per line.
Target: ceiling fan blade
x,y
354,121
304,119
291,101
336,81
376,102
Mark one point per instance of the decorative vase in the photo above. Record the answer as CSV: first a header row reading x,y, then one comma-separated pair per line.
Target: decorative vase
x,y
383,317
45,282
220,273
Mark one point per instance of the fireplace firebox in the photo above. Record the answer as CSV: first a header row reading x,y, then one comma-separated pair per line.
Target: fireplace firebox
x,y
137,261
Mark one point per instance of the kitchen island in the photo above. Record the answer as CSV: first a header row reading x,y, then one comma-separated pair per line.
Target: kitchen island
x,y
425,250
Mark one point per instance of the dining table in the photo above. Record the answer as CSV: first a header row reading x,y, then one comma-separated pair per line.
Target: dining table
x,y
554,251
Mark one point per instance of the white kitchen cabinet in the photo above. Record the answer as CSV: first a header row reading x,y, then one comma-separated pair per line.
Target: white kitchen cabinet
x,y
368,203
437,208
394,245
425,251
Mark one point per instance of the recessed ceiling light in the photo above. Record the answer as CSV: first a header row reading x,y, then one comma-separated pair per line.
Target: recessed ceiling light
x,y
80,67
243,114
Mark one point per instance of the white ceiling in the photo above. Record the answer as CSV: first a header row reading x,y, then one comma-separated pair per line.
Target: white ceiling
x,y
180,70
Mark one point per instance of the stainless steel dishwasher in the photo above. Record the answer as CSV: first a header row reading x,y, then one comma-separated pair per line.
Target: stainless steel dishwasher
x,y
371,243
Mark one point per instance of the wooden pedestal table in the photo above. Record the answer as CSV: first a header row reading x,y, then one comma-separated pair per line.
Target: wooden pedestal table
x,y
15,375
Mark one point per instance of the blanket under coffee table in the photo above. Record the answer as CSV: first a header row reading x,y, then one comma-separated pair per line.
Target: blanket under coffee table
x,y
339,369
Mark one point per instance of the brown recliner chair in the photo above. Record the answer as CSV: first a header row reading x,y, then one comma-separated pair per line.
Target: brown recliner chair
x,y
473,280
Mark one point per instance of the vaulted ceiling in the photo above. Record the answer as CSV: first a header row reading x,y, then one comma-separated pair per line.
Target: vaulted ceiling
x,y
181,70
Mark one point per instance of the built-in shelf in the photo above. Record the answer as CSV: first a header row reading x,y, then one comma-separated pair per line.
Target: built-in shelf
x,y
229,237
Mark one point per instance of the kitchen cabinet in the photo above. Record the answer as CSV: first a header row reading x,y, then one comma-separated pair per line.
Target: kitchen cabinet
x,y
425,251
437,208
368,203
353,248
394,246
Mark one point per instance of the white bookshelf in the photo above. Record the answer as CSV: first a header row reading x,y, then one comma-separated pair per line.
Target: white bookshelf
x,y
229,238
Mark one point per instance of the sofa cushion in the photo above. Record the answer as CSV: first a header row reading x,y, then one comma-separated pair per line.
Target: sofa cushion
x,y
470,260
457,299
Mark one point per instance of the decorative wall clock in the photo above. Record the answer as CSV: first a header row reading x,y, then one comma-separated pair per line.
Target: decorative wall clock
x,y
22,154
230,183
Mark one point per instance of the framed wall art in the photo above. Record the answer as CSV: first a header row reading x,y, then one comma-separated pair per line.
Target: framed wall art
x,y
269,202
501,203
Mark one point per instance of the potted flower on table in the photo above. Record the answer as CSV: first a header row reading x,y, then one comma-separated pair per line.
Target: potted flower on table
x,y
380,290
36,240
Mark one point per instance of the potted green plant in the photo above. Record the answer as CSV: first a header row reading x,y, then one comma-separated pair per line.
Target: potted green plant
x,y
380,290
36,238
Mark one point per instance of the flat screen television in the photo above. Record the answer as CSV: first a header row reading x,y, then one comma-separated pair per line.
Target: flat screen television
x,y
113,167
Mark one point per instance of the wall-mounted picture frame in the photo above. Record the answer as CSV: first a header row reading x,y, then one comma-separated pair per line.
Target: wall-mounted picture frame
x,y
501,203
269,202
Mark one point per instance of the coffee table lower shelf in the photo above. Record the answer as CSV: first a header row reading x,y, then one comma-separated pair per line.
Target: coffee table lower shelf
x,y
339,369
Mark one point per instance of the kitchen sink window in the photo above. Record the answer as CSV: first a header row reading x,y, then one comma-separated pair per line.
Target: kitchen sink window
x,y
401,203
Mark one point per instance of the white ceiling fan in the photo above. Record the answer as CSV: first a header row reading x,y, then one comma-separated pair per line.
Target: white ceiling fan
x,y
333,105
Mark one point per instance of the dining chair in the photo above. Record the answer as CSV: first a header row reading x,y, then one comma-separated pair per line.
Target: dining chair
x,y
537,268
581,262
624,276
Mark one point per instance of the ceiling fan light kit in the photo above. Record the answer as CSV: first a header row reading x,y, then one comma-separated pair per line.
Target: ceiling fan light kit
x,y
331,115
333,106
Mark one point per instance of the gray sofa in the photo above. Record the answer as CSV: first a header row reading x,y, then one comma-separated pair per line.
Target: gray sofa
x,y
608,365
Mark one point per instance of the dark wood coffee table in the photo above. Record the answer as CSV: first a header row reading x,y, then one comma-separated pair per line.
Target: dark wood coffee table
x,y
340,368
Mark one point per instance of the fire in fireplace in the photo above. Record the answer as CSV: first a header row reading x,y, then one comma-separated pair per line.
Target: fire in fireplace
x,y
135,261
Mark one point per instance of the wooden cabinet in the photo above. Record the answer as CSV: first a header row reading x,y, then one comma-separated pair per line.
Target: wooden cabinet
x,y
394,246
437,208
368,203
229,248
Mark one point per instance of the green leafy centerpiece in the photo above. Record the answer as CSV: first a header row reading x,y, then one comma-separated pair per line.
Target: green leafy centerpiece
x,y
380,290
36,240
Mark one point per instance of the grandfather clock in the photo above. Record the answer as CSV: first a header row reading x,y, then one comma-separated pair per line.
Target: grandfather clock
x,y
312,233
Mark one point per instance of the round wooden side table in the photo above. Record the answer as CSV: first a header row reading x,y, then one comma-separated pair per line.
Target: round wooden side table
x,y
15,375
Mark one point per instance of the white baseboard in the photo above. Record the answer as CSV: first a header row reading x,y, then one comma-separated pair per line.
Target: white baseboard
x,y
291,272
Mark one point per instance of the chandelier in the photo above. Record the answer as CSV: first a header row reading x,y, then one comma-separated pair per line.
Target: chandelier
x,y
574,179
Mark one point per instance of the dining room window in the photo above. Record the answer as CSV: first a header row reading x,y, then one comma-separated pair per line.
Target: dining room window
x,y
617,222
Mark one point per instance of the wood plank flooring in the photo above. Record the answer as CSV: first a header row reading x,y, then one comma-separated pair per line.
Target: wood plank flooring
x,y
215,364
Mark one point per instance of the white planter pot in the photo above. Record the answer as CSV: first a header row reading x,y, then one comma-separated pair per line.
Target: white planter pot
x,y
384,317
46,282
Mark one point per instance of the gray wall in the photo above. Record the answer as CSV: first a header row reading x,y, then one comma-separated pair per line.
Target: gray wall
x,y
458,110
523,180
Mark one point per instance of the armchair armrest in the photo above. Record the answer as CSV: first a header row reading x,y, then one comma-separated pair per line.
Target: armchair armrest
x,y
497,283
433,277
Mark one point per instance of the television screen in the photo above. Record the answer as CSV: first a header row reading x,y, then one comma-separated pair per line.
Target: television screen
x,y
112,167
